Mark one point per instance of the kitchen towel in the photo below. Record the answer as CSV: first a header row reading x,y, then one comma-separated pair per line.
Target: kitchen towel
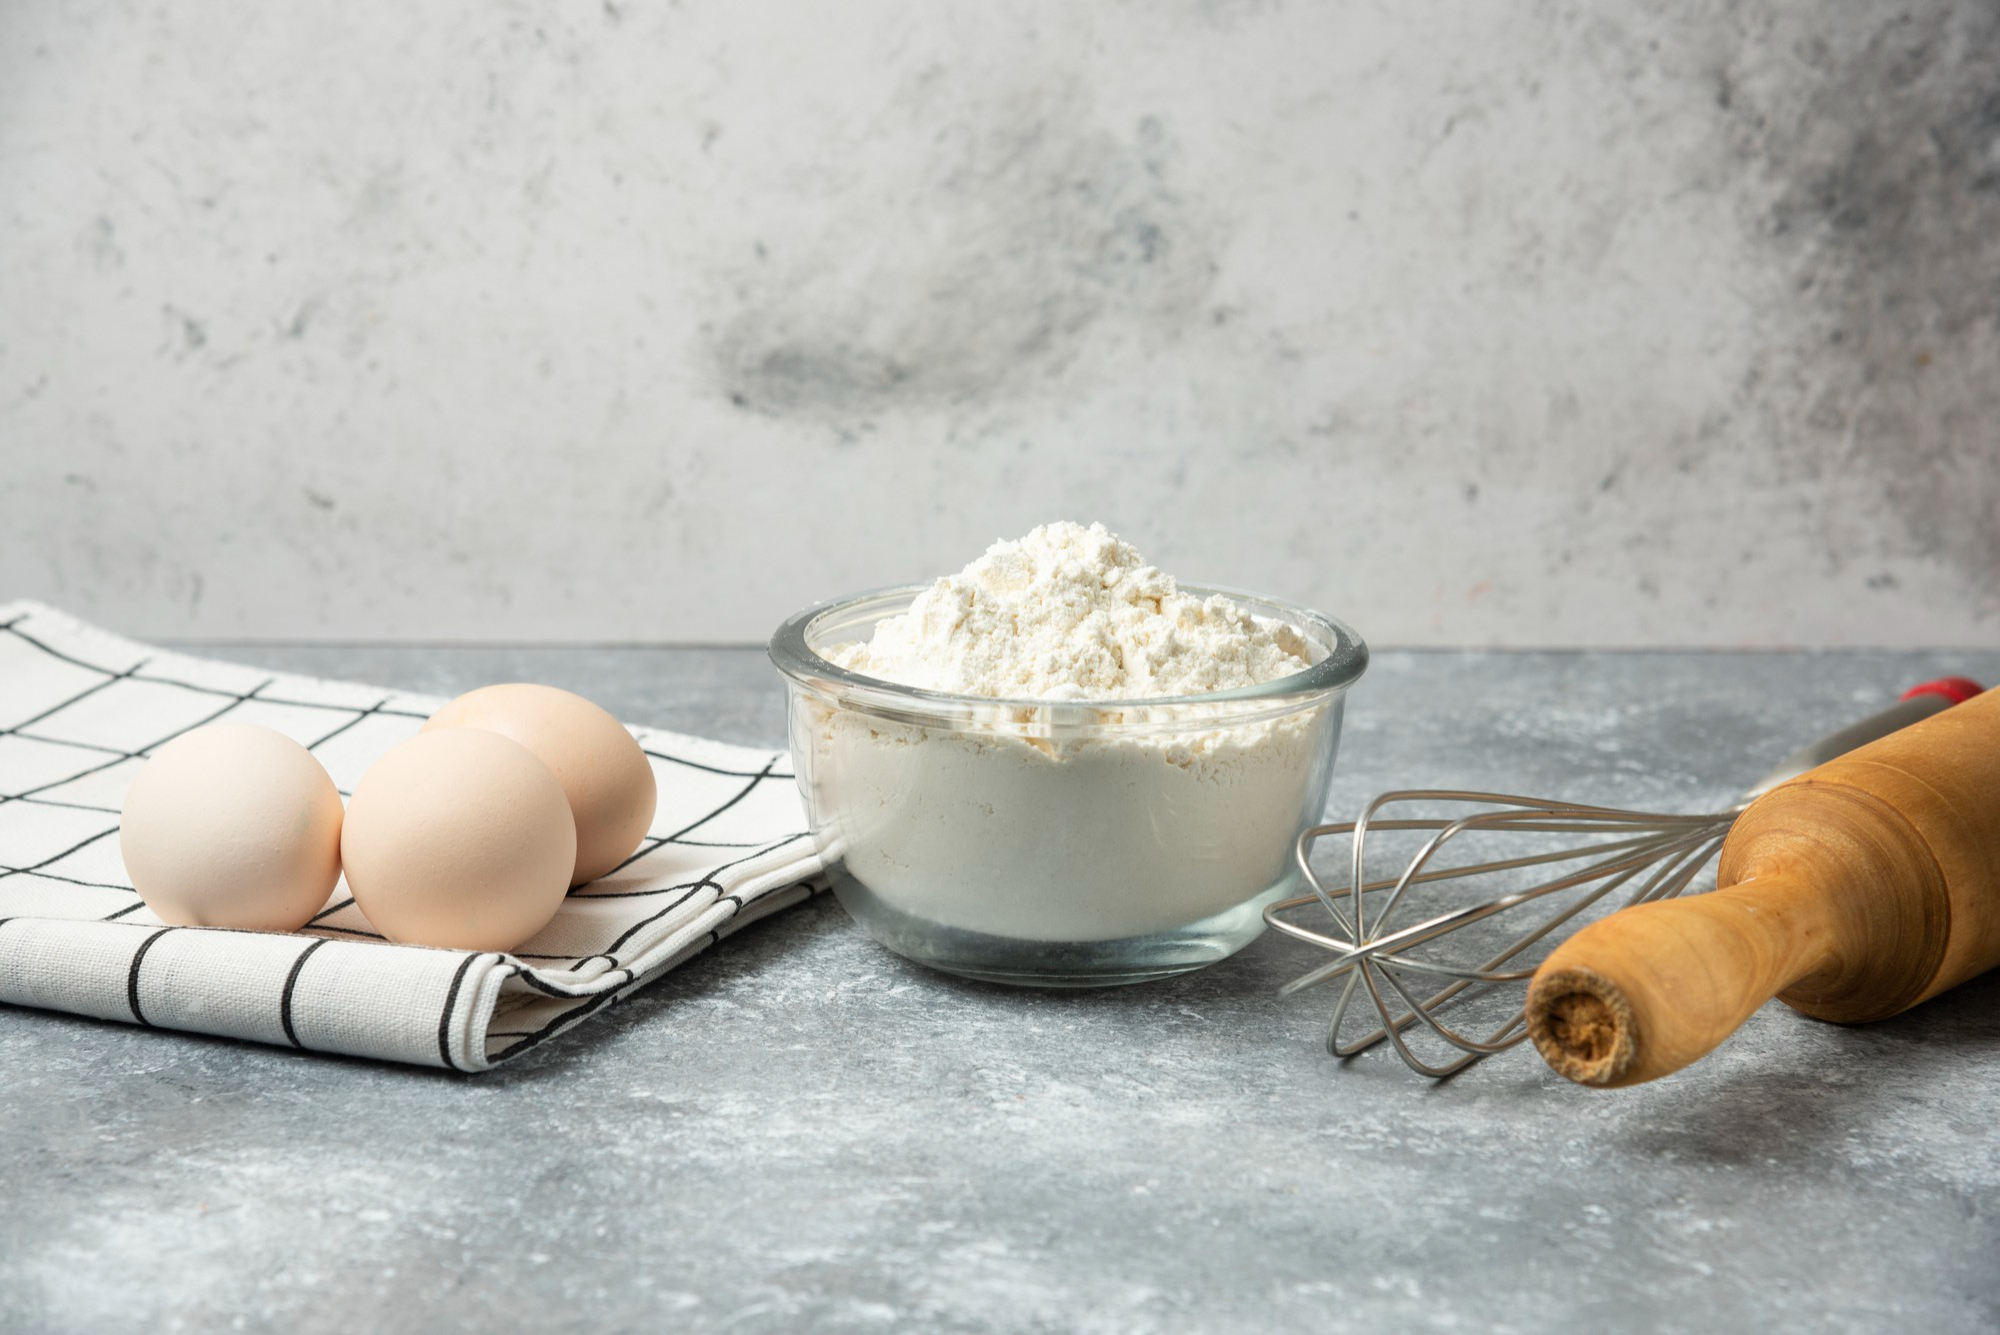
x,y
81,709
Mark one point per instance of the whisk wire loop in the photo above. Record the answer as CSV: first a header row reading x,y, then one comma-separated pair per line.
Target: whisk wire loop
x,y
1653,855
1669,879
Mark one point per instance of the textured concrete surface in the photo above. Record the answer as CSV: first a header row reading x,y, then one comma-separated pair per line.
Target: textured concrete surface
x,y
854,1144
1534,322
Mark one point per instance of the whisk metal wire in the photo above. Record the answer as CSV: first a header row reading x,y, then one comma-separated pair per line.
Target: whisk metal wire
x,y
1676,846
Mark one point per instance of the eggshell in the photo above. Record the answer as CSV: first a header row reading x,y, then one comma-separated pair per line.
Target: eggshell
x,y
602,771
458,838
232,825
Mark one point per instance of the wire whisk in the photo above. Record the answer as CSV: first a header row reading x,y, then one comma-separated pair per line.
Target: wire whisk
x,y
1398,955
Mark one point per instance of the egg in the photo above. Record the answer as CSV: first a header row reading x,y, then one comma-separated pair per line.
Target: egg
x,y
232,825
602,771
458,838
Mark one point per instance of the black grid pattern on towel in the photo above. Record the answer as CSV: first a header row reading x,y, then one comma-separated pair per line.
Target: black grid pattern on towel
x,y
690,866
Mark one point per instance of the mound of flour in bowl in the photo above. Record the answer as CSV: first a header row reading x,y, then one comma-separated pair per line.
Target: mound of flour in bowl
x,y
1049,818
1073,613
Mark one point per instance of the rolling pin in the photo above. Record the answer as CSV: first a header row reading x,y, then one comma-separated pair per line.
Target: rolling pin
x,y
1850,893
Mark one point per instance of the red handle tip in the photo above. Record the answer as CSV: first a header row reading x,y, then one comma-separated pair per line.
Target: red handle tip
x,y
1955,689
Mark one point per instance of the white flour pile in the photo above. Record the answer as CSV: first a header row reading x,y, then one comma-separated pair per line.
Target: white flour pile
x,y
1059,822
1073,613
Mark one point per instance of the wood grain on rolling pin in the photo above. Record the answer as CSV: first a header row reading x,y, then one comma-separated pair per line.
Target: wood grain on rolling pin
x,y
1851,893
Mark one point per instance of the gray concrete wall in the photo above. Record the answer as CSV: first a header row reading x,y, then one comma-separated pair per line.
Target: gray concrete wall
x,y
1477,322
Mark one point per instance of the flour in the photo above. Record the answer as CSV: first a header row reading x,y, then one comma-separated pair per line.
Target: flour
x,y
1073,613
1044,818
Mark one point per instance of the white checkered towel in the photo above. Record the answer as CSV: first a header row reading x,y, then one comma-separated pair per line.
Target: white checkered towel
x,y
80,710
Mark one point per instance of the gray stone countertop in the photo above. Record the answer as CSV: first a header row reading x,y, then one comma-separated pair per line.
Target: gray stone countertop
x,y
851,1142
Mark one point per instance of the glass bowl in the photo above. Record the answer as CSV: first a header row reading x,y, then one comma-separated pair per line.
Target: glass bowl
x,y
1060,843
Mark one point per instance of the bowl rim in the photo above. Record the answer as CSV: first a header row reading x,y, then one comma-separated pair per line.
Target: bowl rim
x,y
1340,669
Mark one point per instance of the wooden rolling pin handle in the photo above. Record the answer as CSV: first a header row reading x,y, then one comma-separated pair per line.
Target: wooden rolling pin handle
x,y
1834,902
1666,982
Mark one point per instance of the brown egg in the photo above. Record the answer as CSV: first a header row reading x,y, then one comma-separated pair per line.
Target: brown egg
x,y
458,838
232,825
601,769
